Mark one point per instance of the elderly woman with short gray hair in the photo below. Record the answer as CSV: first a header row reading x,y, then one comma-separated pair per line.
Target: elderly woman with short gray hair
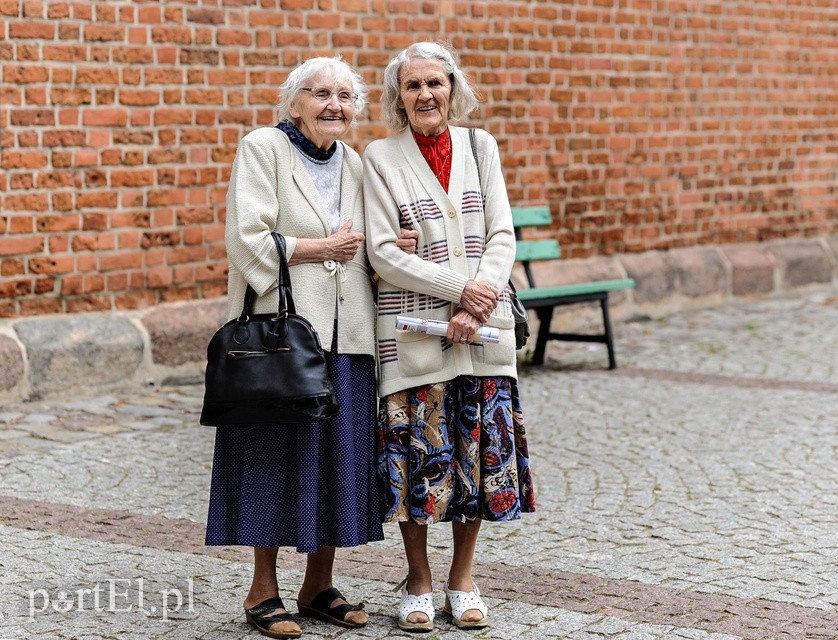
x,y
452,444
308,486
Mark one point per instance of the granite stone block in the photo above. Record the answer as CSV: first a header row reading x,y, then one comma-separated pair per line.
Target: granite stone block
x,y
180,333
753,269
653,280
11,363
802,263
697,271
79,351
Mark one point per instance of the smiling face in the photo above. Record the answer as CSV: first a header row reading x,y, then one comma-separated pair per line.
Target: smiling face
x,y
323,122
425,95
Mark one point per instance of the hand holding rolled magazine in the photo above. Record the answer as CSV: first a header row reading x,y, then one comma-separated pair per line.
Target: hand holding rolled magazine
x,y
440,328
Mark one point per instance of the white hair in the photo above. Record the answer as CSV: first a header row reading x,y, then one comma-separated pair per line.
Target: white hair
x,y
301,76
463,95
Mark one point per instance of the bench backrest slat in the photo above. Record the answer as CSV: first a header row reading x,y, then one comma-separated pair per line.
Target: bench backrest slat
x,y
531,216
530,250
527,250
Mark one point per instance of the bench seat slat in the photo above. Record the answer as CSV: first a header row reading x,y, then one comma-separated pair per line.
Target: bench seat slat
x,y
576,288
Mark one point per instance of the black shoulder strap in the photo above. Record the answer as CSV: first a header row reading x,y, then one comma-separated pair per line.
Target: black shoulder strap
x,y
472,139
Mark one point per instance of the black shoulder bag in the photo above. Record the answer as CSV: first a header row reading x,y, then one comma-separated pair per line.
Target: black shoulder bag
x,y
267,369
519,313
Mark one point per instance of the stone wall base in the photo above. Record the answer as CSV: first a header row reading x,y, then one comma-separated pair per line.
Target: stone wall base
x,y
64,354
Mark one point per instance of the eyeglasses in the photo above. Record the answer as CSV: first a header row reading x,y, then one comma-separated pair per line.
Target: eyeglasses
x,y
324,95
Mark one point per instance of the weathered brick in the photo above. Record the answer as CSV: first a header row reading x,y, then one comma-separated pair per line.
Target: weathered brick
x,y
20,245
24,74
32,30
105,117
104,33
51,264
27,202
206,16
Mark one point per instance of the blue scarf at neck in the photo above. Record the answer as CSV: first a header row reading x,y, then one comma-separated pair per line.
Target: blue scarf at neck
x,y
314,153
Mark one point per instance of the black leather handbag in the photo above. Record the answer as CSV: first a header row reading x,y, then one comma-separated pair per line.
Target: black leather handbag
x,y
267,369
519,312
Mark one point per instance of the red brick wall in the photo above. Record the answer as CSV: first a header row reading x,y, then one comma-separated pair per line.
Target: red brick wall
x,y
645,124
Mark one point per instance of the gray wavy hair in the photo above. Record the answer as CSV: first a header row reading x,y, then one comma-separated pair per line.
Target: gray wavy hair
x,y
463,96
301,76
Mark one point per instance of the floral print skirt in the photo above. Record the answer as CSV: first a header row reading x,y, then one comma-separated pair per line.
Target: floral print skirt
x,y
454,451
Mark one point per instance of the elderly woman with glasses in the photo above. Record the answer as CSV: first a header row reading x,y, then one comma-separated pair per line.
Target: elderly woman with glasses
x,y
308,486
452,445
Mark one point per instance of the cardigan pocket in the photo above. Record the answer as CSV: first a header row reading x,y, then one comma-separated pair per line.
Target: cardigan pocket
x,y
418,353
502,352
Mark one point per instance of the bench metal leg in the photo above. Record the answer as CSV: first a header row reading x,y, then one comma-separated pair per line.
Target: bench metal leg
x,y
545,315
609,337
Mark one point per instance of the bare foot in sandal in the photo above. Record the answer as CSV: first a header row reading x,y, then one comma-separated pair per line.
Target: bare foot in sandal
x,y
270,618
330,606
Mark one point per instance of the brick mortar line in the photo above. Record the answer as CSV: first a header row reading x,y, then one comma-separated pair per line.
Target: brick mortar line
x,y
751,619
724,381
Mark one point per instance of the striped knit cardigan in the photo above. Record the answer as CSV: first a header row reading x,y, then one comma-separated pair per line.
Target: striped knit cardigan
x,y
460,238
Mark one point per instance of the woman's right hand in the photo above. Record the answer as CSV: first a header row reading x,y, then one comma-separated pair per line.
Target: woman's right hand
x,y
343,244
408,240
462,327
479,299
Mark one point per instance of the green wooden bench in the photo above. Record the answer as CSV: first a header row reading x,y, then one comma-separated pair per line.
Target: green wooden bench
x,y
543,300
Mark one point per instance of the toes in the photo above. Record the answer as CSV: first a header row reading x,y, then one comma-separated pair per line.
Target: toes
x,y
472,615
285,627
417,617
357,617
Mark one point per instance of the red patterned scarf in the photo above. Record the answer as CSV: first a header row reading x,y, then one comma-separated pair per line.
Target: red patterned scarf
x,y
437,153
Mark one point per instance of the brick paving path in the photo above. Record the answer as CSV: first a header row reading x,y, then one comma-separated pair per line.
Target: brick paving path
x,y
691,494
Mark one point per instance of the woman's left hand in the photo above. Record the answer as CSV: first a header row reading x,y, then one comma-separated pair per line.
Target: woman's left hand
x,y
462,327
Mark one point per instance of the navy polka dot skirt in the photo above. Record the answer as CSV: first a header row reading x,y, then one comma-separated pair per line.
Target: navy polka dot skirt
x,y
306,485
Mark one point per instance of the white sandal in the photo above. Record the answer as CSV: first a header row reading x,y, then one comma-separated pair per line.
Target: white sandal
x,y
458,602
423,603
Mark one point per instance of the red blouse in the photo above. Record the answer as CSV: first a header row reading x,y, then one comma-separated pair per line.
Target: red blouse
x,y
437,153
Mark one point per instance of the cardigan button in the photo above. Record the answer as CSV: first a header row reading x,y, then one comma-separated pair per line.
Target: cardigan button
x,y
451,213
458,252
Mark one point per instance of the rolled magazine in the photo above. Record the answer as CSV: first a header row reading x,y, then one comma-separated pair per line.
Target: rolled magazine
x,y
440,328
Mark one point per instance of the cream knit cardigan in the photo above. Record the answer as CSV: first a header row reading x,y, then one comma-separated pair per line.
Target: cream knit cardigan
x,y
460,238
271,190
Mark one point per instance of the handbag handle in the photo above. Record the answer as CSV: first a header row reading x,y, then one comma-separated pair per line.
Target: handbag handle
x,y
286,300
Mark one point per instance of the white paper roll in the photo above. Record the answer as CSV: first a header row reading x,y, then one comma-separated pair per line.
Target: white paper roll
x,y
440,328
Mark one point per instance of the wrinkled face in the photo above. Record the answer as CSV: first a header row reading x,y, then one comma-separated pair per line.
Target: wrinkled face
x,y
425,95
324,110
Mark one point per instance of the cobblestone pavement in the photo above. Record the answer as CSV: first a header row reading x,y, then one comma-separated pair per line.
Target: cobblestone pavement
x,y
691,494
